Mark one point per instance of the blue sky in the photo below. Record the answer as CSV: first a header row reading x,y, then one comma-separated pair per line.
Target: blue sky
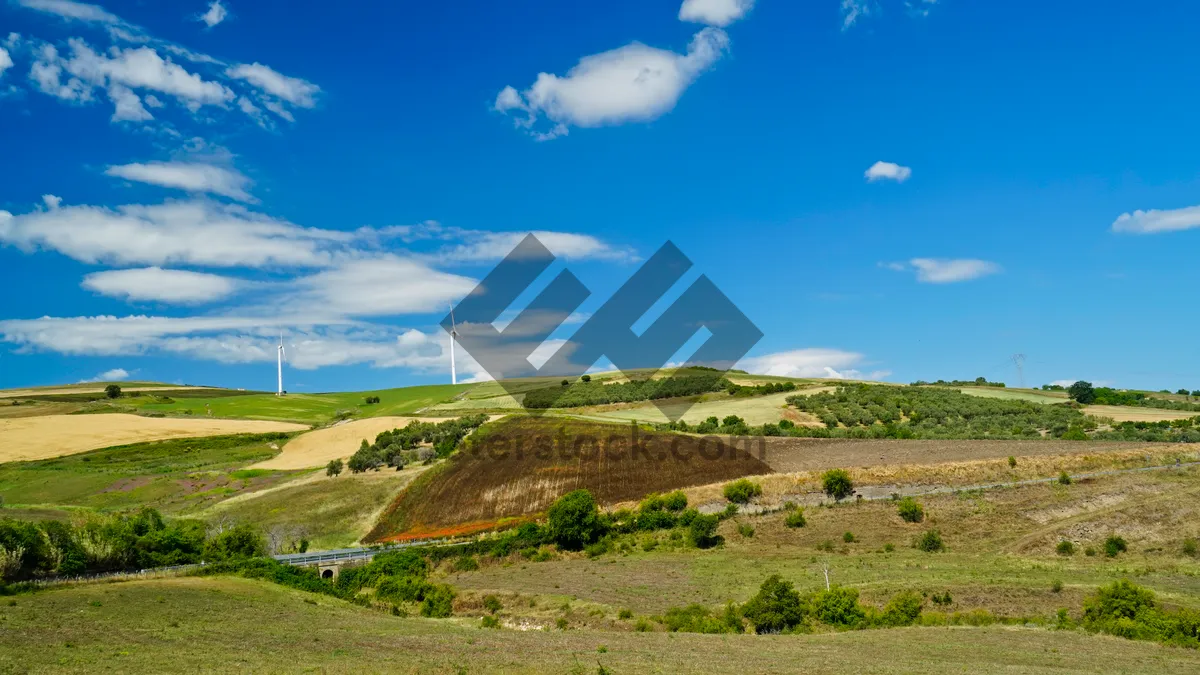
x,y
897,190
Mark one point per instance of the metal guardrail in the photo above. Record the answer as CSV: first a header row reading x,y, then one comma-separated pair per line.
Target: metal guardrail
x,y
355,554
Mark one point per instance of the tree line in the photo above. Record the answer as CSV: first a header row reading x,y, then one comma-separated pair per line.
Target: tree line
x,y
120,542
579,394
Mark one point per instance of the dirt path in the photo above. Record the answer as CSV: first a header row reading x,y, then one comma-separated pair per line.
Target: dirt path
x,y
30,438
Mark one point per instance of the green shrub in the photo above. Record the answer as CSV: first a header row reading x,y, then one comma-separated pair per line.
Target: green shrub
x,y
561,623
910,511
438,602
745,530
625,613
776,607
1089,551
889,547
492,604
597,549
795,519
703,531
1064,478
675,501
466,563
1057,586
837,484
334,468
642,626
848,537
1012,462
1114,545
649,543
903,610
942,598
489,622
242,541
838,606
698,619
930,542
574,520
741,491
1189,547
1065,548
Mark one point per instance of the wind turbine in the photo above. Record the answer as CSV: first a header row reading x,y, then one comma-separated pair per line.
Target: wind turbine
x,y
280,391
453,335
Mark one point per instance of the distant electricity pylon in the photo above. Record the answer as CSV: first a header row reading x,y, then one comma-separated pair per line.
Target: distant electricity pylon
x,y
1019,361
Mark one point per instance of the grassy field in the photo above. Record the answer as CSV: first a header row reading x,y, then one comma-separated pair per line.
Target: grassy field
x,y
1031,395
513,469
1000,552
1124,413
177,476
331,512
221,624
308,408
30,438
755,410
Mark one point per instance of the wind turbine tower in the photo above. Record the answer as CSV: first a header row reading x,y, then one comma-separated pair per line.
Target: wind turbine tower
x,y
1019,360
453,337
279,392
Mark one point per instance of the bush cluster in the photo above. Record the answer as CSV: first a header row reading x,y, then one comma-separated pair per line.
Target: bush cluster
x,y
400,446
125,541
741,491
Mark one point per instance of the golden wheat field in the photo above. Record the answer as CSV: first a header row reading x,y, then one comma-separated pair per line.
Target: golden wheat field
x,y
30,438
317,448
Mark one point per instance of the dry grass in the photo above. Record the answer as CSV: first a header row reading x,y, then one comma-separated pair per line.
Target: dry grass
x,y
86,389
317,448
1124,413
29,438
237,625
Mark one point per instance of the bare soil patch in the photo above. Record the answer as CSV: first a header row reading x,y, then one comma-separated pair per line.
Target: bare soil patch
x,y
516,468
30,438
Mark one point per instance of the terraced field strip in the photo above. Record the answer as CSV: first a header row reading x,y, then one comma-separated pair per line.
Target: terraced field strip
x,y
28,438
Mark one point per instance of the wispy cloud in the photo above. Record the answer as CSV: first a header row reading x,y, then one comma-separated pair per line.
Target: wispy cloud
x,y
944,270
853,10
196,177
155,284
1156,222
814,362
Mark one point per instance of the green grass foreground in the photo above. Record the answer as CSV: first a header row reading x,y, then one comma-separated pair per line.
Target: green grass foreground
x,y
305,408
228,624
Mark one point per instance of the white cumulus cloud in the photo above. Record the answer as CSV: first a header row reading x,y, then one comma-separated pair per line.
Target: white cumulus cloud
x,y
154,284
714,12
1155,221
119,73
6,61
853,10
634,83
216,14
887,171
195,177
812,362
114,375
